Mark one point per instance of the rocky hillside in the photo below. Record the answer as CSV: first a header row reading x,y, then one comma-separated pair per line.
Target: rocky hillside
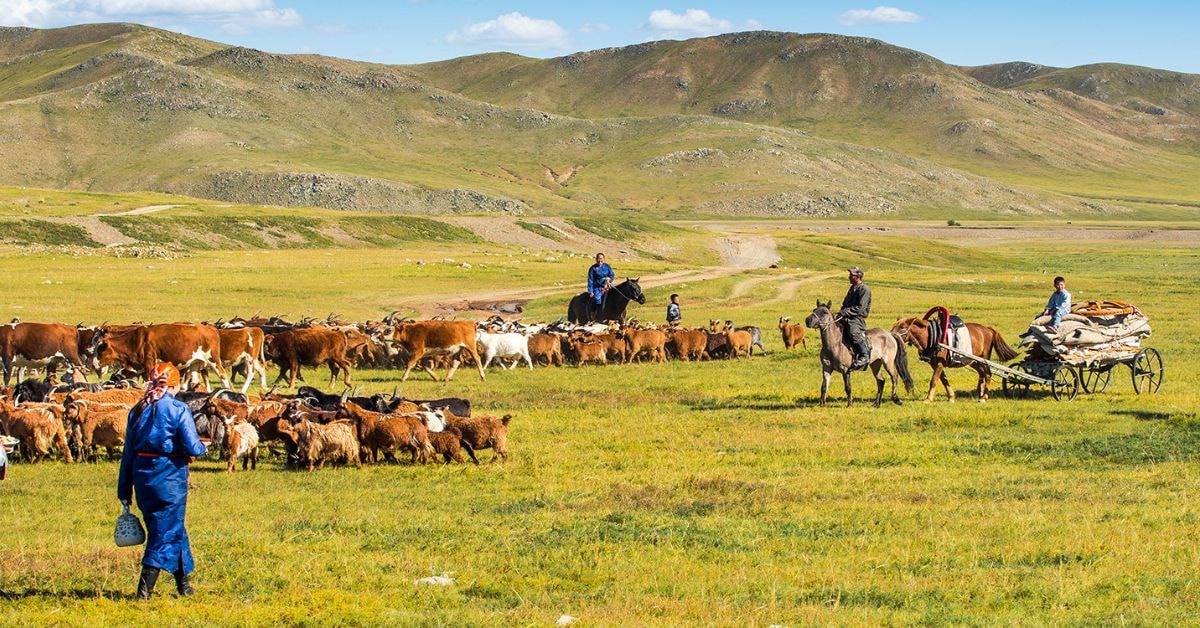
x,y
753,123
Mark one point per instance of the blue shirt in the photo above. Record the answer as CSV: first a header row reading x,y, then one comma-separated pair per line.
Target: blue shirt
x,y
673,312
1060,303
164,427
596,276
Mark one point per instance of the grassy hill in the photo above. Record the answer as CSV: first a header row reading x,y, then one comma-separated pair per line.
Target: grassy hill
x,y
764,124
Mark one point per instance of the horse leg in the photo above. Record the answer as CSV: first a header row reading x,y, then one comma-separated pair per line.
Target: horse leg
x,y
879,383
947,386
984,376
933,380
890,367
846,380
825,375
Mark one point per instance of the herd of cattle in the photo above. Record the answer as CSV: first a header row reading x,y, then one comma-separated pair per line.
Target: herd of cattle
x,y
311,426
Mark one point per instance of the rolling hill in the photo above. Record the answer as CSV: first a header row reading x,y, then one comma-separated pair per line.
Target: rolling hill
x,y
746,124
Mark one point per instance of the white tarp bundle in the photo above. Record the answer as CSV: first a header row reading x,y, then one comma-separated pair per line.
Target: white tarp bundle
x,y
1086,339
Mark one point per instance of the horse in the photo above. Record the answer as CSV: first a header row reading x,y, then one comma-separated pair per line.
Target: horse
x,y
984,340
887,352
612,308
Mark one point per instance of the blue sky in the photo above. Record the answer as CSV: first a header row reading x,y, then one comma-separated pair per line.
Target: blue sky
x,y
1160,34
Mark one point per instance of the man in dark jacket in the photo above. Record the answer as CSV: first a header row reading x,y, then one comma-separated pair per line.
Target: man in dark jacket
x,y
856,307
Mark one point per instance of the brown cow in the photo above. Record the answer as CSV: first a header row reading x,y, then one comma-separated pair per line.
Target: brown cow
x,y
309,346
244,347
437,337
192,348
38,345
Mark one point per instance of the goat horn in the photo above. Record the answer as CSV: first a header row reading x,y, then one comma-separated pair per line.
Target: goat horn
x,y
395,390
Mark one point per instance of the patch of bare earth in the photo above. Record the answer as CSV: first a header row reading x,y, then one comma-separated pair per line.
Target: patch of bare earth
x,y
97,230
505,230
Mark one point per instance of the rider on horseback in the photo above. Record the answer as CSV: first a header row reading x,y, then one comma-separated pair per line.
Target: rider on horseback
x,y
855,309
600,278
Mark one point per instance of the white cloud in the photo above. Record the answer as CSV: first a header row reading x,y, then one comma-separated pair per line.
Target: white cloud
x,y
229,15
512,30
753,24
593,28
878,15
691,22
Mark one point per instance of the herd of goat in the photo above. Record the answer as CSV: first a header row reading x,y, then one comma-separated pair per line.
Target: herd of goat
x,y
310,427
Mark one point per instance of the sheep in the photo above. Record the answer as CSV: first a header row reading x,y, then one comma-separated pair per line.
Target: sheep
x,y
96,424
482,432
241,441
793,333
335,441
504,345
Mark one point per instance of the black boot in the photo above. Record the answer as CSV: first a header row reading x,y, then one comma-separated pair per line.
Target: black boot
x,y
146,582
182,584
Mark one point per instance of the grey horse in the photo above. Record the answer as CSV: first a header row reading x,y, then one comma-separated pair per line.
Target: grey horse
x,y
887,351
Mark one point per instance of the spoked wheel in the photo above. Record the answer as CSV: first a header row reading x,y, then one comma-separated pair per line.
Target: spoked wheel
x,y
1065,385
1095,380
1147,368
1015,388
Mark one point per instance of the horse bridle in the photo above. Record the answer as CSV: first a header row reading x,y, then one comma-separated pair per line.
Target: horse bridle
x,y
617,288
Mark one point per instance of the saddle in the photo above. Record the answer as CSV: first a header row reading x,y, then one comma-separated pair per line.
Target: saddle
x,y
947,329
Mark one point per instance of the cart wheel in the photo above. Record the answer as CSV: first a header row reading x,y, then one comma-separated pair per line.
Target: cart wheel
x,y
1015,388
1065,385
1147,369
1095,380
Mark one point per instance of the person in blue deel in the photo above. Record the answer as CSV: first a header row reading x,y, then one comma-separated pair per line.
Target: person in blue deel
x,y
600,277
160,443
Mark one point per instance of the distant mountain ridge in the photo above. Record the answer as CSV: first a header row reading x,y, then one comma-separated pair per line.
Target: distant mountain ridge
x,y
756,123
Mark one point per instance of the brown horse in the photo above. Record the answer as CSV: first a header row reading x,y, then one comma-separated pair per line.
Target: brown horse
x,y
984,341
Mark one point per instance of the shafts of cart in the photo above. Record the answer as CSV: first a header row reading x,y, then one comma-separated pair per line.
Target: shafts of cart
x,y
1065,379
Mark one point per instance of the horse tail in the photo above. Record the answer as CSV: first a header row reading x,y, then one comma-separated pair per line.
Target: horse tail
x,y
1003,350
901,362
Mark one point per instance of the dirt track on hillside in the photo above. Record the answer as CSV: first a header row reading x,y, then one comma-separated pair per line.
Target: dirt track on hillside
x,y
739,252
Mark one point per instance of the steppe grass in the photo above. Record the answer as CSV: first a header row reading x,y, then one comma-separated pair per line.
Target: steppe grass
x,y
663,494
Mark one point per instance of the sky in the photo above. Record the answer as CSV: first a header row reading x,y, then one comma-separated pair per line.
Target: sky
x,y
1155,33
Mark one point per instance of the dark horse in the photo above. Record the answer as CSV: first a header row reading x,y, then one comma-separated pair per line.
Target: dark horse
x,y
613,306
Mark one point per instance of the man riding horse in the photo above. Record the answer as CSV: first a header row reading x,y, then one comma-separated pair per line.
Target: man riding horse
x,y
856,307
599,280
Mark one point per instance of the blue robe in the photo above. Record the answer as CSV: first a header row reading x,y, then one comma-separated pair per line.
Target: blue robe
x,y
599,275
166,429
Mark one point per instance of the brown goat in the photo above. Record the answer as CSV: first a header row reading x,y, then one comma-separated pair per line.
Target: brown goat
x,y
96,424
688,344
649,341
547,348
482,432
38,429
448,444
588,351
241,441
739,342
127,396
793,333
335,441
389,432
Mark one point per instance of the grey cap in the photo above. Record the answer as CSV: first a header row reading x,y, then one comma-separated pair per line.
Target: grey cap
x,y
856,271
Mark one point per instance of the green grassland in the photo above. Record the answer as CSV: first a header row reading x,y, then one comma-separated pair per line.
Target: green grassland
x,y
681,493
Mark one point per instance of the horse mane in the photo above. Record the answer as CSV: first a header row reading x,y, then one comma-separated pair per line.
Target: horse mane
x,y
918,322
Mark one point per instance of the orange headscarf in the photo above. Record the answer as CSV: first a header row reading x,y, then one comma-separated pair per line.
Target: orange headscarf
x,y
163,376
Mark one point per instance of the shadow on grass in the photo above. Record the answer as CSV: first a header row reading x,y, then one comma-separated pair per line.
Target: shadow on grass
x,y
66,594
1145,415
747,402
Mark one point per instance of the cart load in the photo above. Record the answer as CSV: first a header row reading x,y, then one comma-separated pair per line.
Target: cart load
x,y
1094,332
